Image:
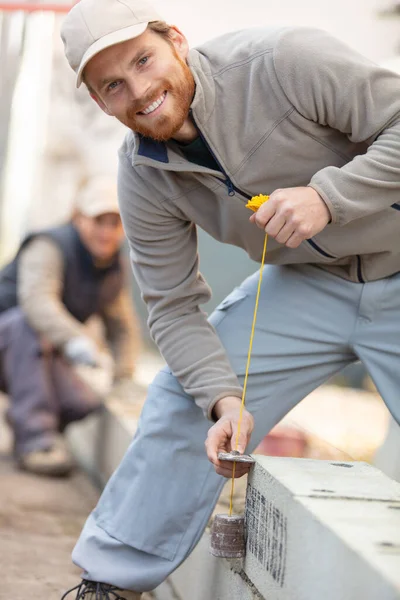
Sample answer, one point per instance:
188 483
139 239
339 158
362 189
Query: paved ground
39 523
40 520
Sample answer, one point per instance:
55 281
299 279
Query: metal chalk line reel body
228 536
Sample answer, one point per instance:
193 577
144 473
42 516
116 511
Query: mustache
142 103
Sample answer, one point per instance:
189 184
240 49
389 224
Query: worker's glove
122 388
81 351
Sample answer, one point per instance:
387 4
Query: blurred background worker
60 278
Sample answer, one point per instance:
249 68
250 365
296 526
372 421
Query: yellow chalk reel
256 201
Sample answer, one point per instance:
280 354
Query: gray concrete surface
322 529
316 530
39 523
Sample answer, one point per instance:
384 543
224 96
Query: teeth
155 105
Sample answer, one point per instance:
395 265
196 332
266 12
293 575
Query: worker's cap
97 197
93 25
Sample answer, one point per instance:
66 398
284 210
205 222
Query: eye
113 85
143 60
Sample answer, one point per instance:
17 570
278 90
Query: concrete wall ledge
317 530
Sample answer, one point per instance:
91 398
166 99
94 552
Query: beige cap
93 25
98 197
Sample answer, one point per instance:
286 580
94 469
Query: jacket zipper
232 189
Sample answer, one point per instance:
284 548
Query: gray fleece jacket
277 108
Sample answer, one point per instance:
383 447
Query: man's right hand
222 436
81 351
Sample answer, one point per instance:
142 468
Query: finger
217 441
295 240
275 225
244 436
265 214
227 471
228 474
241 467
285 233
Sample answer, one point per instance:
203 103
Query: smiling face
145 83
102 235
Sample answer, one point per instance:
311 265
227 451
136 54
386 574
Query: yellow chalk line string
246 376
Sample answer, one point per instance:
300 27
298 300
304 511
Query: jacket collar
163 154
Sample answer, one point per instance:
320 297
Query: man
59 278
288 112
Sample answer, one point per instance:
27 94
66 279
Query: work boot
94 590
54 461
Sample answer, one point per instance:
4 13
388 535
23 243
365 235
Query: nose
138 86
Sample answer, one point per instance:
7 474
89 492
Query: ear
101 104
179 41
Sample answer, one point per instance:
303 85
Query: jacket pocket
319 251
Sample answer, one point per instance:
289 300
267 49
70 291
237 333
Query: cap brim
100 209
116 37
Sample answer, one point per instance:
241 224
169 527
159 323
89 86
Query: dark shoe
94 590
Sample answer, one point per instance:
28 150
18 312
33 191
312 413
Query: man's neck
187 132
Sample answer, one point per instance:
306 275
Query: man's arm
40 285
330 84
123 334
165 263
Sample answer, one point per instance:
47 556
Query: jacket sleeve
122 333
330 84
40 285
163 247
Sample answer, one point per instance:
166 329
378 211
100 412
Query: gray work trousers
310 325
44 391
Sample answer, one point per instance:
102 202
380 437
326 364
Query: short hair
160 27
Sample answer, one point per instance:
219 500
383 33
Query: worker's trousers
310 325
45 392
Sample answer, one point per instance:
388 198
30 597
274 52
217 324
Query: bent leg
76 399
33 412
377 338
157 504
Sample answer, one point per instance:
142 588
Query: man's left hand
292 215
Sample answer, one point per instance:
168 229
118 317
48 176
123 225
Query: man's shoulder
238 47
126 169
126 150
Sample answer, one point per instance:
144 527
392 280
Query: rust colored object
228 536
283 441
25 7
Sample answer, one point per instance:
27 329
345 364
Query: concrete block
205 577
315 530
321 529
